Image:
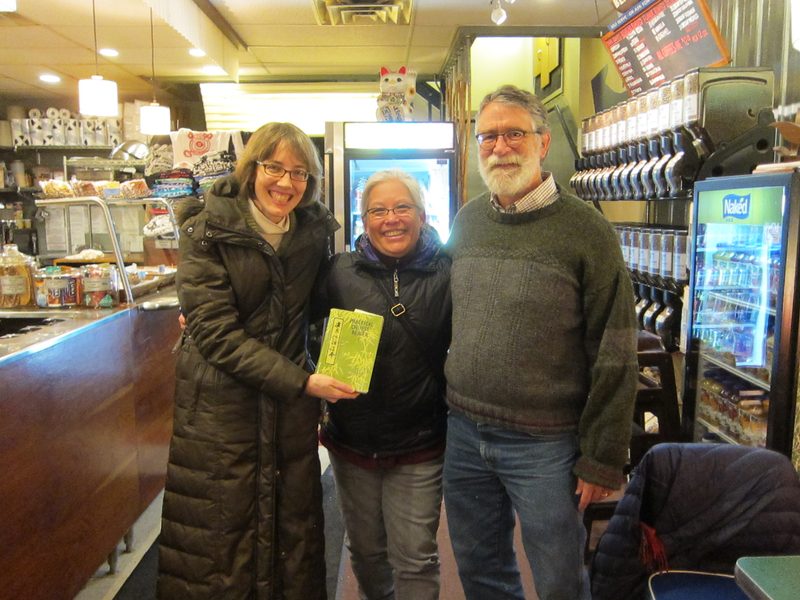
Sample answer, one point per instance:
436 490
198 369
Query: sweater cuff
598 474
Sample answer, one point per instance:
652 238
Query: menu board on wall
661 39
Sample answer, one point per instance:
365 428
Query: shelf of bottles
735 298
657 261
636 150
655 145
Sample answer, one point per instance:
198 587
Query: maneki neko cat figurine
397 92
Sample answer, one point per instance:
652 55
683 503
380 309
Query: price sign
659 40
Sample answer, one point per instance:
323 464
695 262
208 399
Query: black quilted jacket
709 505
242 515
404 410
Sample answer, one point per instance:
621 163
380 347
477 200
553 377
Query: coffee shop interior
98 97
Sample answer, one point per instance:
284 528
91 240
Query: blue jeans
391 517
489 474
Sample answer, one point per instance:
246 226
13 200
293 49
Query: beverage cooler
353 151
741 359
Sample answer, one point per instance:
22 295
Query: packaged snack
100 286
135 188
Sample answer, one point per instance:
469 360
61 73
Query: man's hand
328 388
590 492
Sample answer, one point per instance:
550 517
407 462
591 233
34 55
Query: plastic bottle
16 278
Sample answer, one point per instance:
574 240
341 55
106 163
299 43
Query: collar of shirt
271 232
543 195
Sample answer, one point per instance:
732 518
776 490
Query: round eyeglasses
275 170
512 138
401 210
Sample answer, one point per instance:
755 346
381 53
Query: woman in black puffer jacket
242 517
386 446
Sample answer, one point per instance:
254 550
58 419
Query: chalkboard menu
661 39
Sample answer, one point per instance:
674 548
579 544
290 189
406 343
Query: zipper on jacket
398 309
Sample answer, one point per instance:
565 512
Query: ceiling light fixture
109 52
96 96
154 119
49 78
499 14
197 52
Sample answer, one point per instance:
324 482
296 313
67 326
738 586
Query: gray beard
504 184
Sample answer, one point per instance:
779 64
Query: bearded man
542 370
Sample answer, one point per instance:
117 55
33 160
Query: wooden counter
85 423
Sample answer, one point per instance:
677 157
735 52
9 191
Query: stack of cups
18 172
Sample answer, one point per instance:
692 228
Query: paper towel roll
51 112
16 112
20 133
35 113
37 129
5 135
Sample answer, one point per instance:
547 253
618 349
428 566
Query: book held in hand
349 347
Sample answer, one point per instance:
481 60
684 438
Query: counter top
769 577
28 330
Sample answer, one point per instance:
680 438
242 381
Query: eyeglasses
512 138
401 210
276 170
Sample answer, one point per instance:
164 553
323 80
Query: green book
349 347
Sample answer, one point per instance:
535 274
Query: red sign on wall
663 40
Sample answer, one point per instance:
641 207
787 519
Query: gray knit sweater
544 336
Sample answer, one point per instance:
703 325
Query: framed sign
547 68
659 40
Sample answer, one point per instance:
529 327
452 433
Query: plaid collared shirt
544 195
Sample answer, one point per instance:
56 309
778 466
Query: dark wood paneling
84 433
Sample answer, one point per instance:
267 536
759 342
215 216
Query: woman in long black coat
242 515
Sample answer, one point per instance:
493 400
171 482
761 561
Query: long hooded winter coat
242 515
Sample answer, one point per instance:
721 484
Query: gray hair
407 180
510 94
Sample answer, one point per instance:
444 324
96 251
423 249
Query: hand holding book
328 388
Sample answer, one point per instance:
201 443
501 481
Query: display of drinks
735 295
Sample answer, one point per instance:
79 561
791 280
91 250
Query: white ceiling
268 40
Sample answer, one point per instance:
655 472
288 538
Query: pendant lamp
97 97
498 13
154 119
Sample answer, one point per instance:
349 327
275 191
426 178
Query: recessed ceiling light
213 70
197 52
49 78
110 52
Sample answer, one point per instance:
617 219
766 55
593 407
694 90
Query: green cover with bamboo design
349 347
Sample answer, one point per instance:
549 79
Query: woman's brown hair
262 145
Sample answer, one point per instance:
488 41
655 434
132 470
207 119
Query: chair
693 585
696 507
655 396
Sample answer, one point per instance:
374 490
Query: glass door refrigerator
740 384
353 151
